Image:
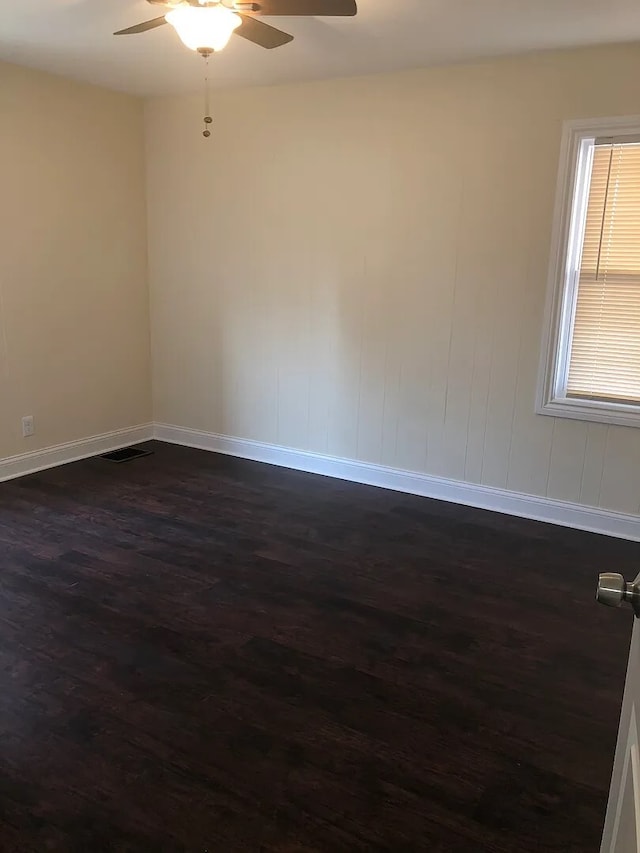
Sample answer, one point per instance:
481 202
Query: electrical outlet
27 426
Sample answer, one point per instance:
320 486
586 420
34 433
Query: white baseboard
60 454
563 513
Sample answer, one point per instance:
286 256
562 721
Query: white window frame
570 211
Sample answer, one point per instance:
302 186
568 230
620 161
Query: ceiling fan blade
262 34
142 28
173 3
308 7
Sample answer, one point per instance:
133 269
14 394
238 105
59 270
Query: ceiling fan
207 25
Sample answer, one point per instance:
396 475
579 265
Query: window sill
591 410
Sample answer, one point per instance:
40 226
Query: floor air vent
126 454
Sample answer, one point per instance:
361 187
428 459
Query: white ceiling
73 38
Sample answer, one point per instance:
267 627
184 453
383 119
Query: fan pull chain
207 108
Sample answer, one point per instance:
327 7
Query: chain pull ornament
208 120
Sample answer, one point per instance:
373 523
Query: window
591 357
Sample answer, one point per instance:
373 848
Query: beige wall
359 268
74 331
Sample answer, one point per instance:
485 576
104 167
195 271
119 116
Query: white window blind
604 356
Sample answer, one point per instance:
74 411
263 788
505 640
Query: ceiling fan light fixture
204 28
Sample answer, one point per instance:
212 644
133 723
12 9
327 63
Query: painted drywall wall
74 325
359 268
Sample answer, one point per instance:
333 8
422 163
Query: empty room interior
320 426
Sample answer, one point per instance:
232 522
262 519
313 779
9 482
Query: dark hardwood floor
204 654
